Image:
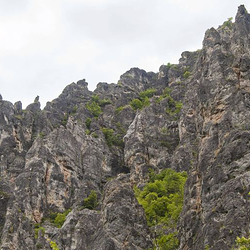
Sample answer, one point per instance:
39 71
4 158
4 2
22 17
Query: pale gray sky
48 44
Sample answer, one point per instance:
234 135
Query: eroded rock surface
197 120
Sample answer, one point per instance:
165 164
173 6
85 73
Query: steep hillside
69 171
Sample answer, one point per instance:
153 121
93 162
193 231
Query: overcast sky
48 44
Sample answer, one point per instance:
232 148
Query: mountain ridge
192 116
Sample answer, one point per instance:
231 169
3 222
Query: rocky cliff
193 116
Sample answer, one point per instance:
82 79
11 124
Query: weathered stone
51 159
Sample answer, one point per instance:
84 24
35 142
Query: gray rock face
196 121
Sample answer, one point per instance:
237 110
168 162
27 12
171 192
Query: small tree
243 243
91 201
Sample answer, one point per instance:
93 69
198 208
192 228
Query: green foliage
88 122
94 108
111 138
19 117
65 119
119 109
37 229
4 195
53 245
91 201
104 102
168 242
95 98
243 243
59 218
147 93
166 94
227 24
169 65
95 135
186 74
143 100
162 200
87 132
207 247
136 104
174 107
121 130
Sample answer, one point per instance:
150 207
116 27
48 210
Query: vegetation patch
87 132
53 245
95 135
65 120
119 109
88 122
162 200
136 104
37 229
143 100
111 138
227 24
243 243
147 93
58 219
91 201
186 74
94 106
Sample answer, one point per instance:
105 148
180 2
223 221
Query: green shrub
111 138
146 102
37 229
95 98
228 23
19 117
95 135
166 94
94 108
53 245
186 74
143 100
169 65
87 132
119 109
168 242
104 102
88 122
167 91
58 219
243 243
162 200
65 119
91 201
136 104
122 130
147 93
174 107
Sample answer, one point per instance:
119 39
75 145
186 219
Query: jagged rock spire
36 99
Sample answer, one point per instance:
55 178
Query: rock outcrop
193 116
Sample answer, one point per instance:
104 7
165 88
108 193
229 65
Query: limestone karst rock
83 141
